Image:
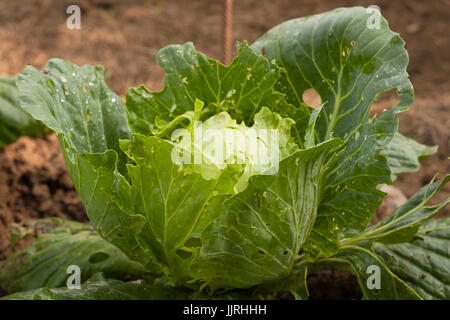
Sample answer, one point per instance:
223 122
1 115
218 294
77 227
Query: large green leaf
349 65
14 122
405 154
89 120
75 102
424 262
241 89
44 262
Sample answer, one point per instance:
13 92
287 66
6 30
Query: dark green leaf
59 244
89 121
349 65
424 262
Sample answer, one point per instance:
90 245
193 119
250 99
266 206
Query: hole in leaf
311 98
184 254
193 243
385 101
98 257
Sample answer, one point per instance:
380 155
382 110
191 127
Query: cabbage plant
255 223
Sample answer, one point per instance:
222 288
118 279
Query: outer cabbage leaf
424 262
14 122
89 120
349 64
405 154
75 101
241 89
44 262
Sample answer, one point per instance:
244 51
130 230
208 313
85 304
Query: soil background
125 36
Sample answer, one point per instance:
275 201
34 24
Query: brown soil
124 36
34 184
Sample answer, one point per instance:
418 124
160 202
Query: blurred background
125 35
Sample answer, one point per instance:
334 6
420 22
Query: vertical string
227 31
